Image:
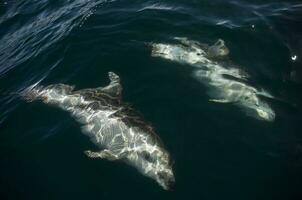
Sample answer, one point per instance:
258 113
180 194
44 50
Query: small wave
157 6
227 23
39 32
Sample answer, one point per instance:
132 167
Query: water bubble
294 57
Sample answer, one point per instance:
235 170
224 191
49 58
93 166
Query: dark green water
219 152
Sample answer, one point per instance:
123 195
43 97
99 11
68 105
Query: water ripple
40 31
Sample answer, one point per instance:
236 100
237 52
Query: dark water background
219 152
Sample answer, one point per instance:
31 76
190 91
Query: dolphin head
265 112
154 162
160 167
261 109
163 170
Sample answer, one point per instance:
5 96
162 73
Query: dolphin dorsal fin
114 88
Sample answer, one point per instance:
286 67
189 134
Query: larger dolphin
226 83
118 131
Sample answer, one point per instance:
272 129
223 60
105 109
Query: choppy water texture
219 152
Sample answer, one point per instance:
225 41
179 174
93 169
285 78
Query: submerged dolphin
114 127
226 83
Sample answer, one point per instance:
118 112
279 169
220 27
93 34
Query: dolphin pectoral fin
106 154
265 94
109 155
220 101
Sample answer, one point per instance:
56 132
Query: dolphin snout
167 179
171 184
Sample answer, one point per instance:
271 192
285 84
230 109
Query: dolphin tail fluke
31 93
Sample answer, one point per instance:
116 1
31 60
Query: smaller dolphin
226 83
115 128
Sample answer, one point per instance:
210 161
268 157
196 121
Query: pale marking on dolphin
115 128
226 83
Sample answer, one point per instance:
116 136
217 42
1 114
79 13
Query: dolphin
225 82
113 126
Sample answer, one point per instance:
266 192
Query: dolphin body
226 84
118 131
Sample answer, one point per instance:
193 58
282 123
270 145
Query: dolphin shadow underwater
225 82
113 126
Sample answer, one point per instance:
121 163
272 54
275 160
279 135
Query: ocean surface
218 151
